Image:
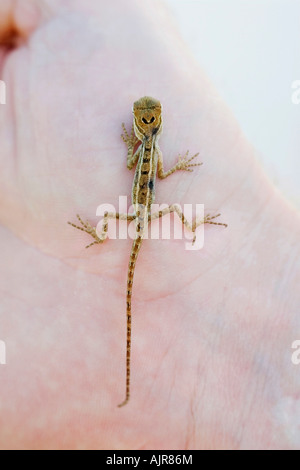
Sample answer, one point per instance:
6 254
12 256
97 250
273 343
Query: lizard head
147 119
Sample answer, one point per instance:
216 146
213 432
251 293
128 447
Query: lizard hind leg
208 219
92 231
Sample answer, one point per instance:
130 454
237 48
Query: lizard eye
148 122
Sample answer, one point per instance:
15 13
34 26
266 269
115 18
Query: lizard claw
86 227
130 140
184 163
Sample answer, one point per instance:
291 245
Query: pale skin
212 329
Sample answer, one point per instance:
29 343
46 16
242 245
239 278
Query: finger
210 217
18 19
125 131
80 220
77 226
192 158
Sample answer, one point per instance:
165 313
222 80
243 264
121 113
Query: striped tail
133 257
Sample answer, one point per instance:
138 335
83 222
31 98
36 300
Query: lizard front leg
131 141
184 163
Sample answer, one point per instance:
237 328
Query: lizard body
147 128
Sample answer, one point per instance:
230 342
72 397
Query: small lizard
146 130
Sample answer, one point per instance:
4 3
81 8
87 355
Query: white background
250 49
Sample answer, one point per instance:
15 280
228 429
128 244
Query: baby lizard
146 130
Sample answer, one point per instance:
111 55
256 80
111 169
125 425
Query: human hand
212 329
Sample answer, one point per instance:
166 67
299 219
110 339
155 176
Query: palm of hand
64 312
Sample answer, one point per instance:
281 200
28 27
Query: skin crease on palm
212 329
